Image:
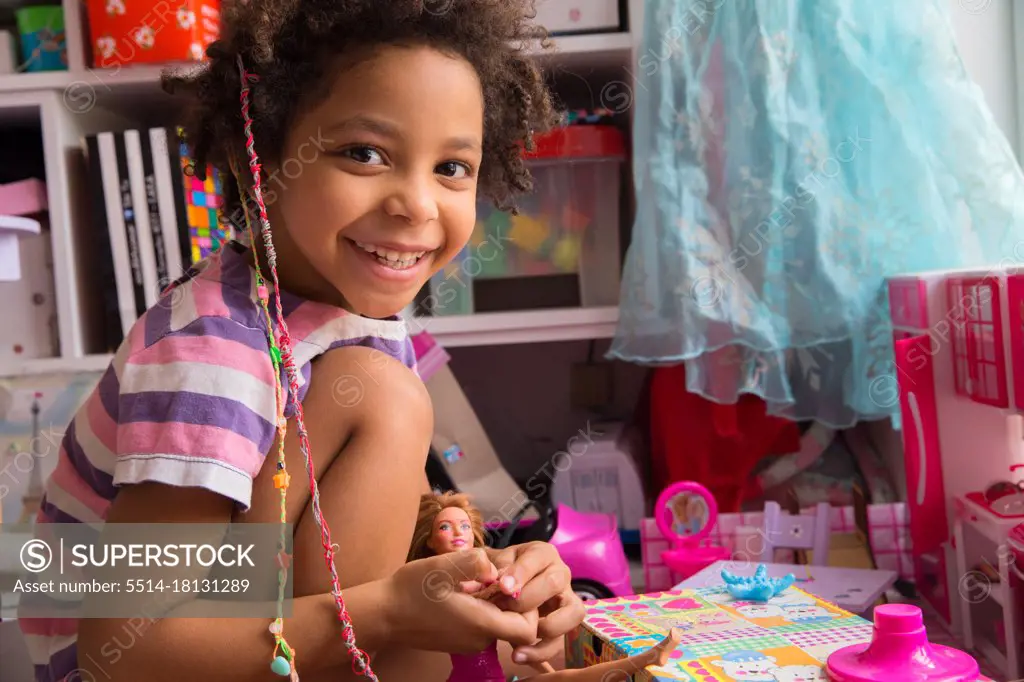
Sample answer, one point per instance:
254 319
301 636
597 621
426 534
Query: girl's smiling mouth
394 256
397 263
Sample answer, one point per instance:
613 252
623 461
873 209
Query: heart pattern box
787 639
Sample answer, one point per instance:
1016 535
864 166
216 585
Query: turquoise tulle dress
789 155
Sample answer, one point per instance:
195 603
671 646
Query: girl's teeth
394 259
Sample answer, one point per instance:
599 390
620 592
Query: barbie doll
447 522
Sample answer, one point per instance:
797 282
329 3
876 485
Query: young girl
448 524
358 134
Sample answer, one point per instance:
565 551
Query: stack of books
160 218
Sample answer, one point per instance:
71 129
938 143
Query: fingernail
519 658
508 582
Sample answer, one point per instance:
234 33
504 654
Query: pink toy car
588 543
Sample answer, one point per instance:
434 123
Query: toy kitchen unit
959 351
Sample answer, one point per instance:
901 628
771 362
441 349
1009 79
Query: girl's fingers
471 566
470 586
552 582
507 626
486 590
563 619
542 651
519 580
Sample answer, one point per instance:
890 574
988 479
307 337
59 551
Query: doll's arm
605 672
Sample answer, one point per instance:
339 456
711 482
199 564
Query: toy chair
686 513
797 532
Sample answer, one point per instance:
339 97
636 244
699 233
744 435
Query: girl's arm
223 649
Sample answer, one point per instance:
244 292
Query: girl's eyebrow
389 130
461 144
370 124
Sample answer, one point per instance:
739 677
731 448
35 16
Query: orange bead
281 479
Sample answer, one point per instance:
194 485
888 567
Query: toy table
854 589
788 638
975 588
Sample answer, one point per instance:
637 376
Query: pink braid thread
360 659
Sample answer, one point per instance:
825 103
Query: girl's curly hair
291 45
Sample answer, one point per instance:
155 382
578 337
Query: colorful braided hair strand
281 352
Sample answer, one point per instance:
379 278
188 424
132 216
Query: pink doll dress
481 667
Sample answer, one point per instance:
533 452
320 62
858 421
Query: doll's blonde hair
432 504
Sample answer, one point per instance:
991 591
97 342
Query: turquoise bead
281 667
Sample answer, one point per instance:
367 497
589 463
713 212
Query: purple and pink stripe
187 400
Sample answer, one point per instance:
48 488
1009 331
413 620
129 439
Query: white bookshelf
532 326
456 331
596 50
70 105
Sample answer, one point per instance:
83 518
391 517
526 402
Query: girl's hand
428 609
534 577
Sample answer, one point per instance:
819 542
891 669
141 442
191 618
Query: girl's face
376 189
453 531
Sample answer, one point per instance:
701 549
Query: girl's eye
364 155
444 526
450 169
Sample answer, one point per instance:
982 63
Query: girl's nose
413 199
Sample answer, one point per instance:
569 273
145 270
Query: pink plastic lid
899 650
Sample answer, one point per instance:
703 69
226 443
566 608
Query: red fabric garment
718 446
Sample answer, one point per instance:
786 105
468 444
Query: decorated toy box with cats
127 32
787 639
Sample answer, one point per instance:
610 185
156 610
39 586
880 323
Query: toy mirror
686 512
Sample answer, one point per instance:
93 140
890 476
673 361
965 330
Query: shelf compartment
46 366
535 326
600 49
479 329
35 300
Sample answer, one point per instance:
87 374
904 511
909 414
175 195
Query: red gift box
143 31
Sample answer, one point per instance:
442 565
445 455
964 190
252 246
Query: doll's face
452 532
681 507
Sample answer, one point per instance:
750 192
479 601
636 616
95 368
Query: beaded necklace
284 655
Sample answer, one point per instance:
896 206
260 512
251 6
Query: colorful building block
208 230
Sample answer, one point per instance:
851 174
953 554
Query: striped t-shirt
188 400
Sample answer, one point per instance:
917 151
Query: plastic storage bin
43 46
578 16
569 225
124 32
603 480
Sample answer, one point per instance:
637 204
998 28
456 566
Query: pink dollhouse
959 351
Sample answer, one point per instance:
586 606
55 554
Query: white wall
985 35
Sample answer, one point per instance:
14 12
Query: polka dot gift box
786 639
127 32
